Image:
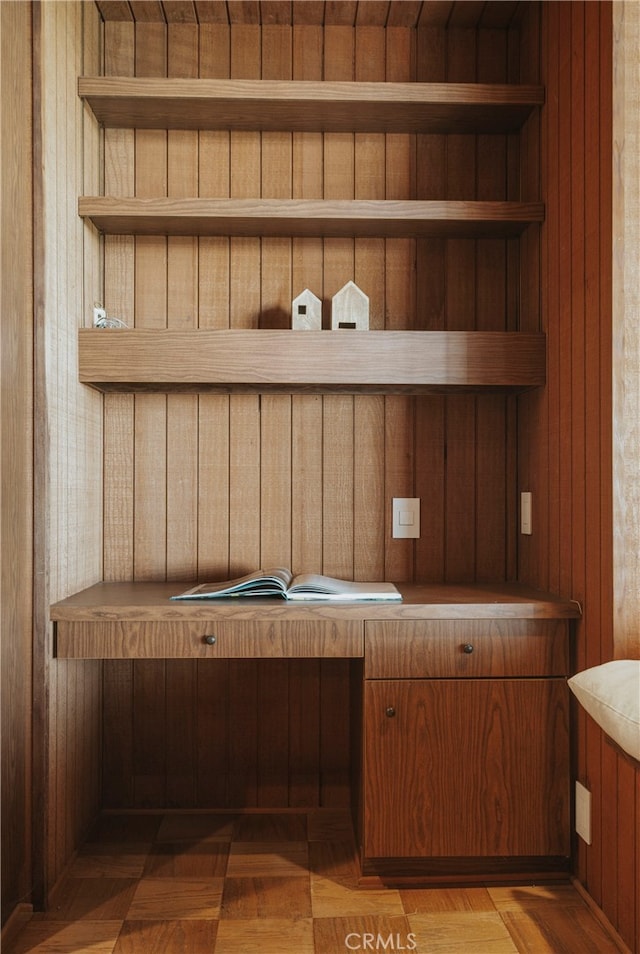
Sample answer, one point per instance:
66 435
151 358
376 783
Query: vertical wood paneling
399 312
182 431
565 441
495 303
213 312
430 439
16 424
244 432
621 549
339 267
369 274
307 272
304 480
460 272
68 531
150 439
119 178
150 458
119 301
626 328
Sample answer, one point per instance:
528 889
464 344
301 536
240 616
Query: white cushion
611 695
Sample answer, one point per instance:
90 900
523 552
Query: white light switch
406 517
525 513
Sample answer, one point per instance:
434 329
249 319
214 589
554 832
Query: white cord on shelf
102 320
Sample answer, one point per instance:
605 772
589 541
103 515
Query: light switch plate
406 517
583 812
525 513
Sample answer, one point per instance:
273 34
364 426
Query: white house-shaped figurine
350 308
306 312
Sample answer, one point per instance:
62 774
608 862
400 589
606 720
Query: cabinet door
466 768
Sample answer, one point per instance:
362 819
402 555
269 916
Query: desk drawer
248 639
441 649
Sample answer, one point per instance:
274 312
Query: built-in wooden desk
139 620
460 708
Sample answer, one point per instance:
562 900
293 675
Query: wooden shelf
293 217
289 361
308 106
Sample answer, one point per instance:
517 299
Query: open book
279 581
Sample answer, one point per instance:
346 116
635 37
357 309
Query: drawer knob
467 648
210 640
390 711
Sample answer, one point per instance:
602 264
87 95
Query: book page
271 582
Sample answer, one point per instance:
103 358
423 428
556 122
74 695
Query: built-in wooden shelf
306 106
289 361
299 217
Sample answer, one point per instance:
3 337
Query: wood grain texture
566 438
264 358
16 422
151 601
430 756
626 336
68 454
625 435
275 104
306 475
449 649
285 217
402 13
311 905
233 640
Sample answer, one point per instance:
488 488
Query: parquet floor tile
265 936
281 883
167 937
364 932
483 932
330 899
187 859
93 899
435 900
335 860
110 860
549 930
250 898
165 899
252 859
60 937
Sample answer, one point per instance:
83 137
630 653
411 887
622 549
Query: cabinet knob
390 711
210 640
467 648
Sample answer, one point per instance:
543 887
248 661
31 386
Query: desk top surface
151 601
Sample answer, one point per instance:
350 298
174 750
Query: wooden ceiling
487 14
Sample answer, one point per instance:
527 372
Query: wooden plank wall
16 423
626 330
565 432
212 486
68 424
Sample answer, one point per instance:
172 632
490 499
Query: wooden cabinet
465 748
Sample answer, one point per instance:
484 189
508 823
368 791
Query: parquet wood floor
281 884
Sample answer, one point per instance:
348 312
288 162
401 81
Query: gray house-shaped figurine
306 312
350 308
